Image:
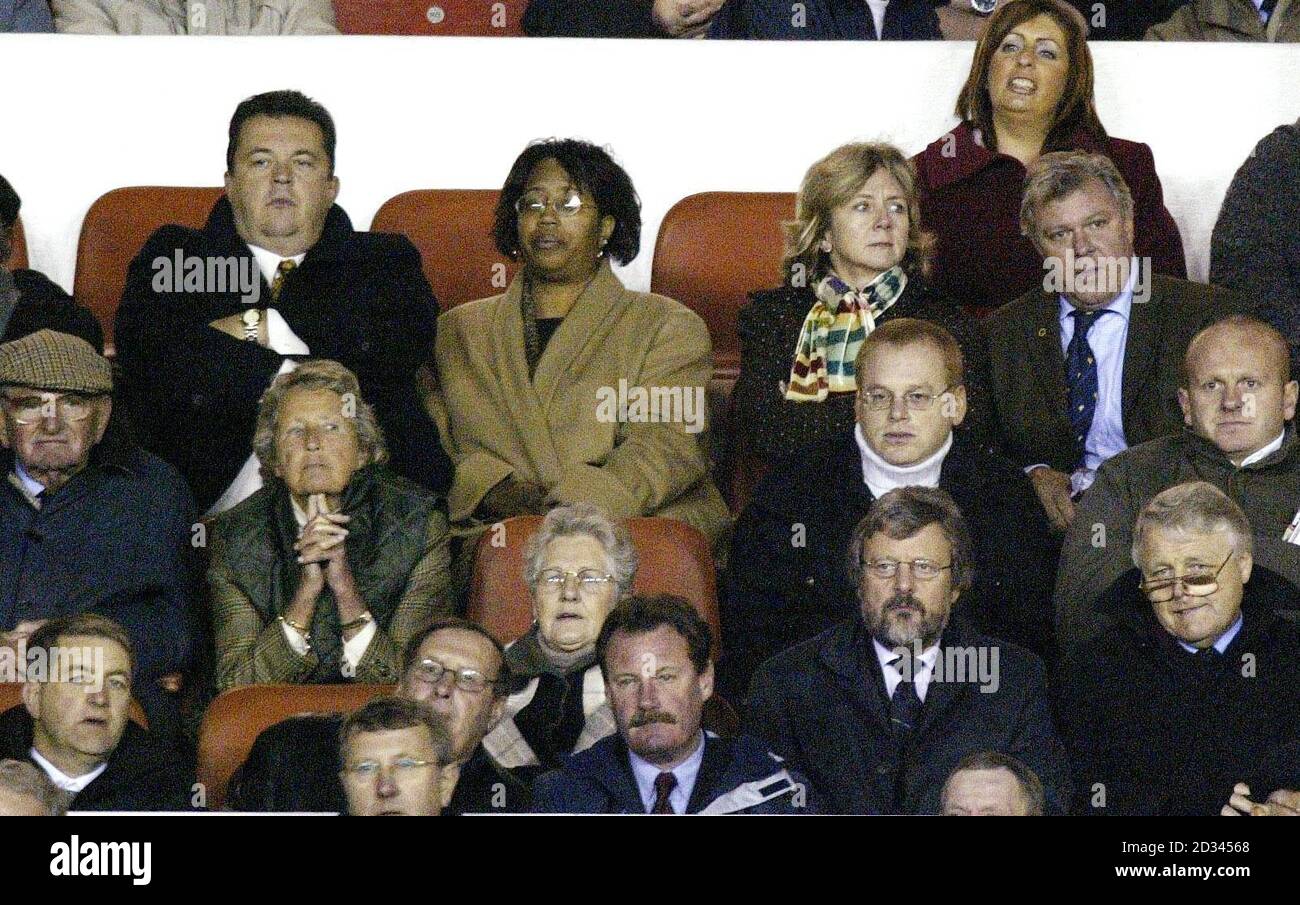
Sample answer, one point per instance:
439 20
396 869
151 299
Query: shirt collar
1264 451
1121 304
269 262
73 784
887 656
686 772
34 487
1225 639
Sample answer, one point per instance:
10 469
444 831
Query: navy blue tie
1081 374
1267 8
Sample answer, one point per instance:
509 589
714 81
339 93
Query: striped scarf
833 332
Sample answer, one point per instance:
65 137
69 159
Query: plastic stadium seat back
480 18
674 559
114 231
452 228
18 257
714 249
238 716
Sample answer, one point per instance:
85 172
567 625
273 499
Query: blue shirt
686 772
34 487
1107 339
1224 640
1259 8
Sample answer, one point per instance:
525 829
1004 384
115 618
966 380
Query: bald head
1237 390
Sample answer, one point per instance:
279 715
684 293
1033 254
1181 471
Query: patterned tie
664 785
1081 374
281 272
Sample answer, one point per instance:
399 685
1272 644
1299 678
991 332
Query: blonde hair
835 180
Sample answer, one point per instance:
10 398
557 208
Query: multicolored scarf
833 332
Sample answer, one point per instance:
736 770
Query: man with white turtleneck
787 577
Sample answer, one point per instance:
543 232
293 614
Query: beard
903 620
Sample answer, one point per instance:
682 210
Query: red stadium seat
238 716
11 695
114 231
714 249
482 18
18 257
452 228
674 559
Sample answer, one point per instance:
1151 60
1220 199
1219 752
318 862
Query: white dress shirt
282 339
878 14
686 772
922 672
1264 451
73 784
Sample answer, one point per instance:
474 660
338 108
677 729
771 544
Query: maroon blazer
970 199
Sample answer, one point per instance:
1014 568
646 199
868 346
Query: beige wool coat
197 17
561 428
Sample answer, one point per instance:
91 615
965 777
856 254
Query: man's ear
1185 403
334 188
706 682
958 404
497 711
1290 394
1246 563
32 698
226 180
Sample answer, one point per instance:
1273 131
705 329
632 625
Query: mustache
646 717
903 599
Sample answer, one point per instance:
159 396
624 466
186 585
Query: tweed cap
59 362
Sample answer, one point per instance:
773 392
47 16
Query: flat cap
59 362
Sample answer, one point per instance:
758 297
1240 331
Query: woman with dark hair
855 256
569 387
1030 91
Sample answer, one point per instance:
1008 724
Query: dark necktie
1267 8
664 785
281 272
1081 374
904 716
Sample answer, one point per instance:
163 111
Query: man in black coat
878 711
786 577
455 667
29 300
74 722
89 522
654 655
1188 694
828 20
210 316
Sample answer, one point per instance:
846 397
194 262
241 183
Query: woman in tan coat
568 387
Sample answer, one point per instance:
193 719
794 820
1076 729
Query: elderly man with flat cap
88 522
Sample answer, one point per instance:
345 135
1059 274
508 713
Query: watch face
983 7
252 317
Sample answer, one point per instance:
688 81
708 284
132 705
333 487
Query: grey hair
1196 507
1060 173
317 374
579 520
27 779
903 512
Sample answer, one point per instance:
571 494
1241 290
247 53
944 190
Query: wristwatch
252 319
983 7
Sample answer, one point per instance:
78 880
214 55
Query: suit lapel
716 760
1140 354
509 366
1044 342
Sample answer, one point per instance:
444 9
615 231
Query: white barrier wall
84 115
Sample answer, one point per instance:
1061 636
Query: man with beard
879 710
654 653
456 668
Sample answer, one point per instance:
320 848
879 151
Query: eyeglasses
921 569
879 400
1201 583
471 680
589 580
28 408
402 766
536 202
